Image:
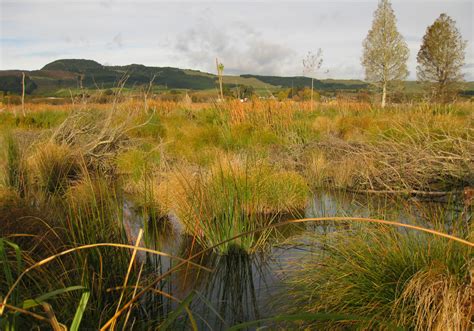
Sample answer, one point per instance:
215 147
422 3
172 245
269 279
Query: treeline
13 83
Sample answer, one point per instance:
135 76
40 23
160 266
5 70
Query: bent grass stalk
303 220
157 291
130 265
133 294
84 247
24 311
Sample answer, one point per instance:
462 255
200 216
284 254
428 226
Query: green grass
41 119
385 275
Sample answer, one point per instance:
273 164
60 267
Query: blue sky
248 37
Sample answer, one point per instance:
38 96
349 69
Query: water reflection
235 292
337 203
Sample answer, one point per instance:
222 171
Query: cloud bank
248 37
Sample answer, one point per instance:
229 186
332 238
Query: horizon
212 73
249 38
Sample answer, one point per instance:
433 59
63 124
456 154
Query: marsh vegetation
179 215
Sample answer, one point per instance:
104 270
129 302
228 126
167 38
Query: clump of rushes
237 196
388 277
139 170
94 211
55 167
20 216
15 170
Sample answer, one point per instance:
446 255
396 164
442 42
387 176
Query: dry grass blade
52 318
135 288
130 265
24 311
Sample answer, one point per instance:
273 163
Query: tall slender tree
312 63
385 51
441 58
220 72
23 94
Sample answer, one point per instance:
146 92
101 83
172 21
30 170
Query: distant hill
73 65
72 73
299 81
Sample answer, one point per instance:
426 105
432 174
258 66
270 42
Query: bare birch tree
311 64
220 72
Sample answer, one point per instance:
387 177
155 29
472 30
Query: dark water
245 287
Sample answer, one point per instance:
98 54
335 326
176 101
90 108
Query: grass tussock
441 301
34 229
55 167
92 198
236 196
388 277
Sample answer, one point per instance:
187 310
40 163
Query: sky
267 37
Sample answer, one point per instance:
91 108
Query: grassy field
229 171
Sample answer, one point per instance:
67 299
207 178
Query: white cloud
238 46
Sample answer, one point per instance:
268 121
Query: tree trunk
219 76
23 94
312 79
220 85
384 94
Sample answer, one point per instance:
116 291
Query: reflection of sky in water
242 287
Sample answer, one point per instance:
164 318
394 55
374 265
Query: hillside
73 73
298 81
73 65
